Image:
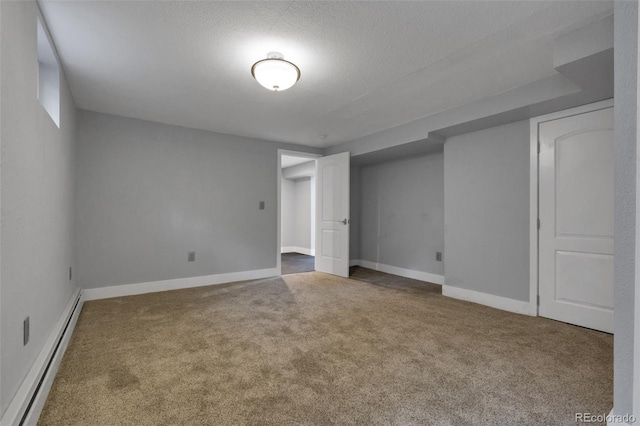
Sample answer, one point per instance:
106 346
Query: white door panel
576 213
584 185
579 278
332 217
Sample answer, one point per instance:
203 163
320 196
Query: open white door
332 214
576 214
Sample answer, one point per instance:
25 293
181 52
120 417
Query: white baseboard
301 250
28 402
176 284
497 302
408 273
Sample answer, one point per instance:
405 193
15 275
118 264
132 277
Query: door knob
346 221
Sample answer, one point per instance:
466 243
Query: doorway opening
297 211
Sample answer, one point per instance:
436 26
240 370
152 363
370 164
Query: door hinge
538 147
538 300
538 223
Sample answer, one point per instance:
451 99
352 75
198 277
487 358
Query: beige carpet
314 349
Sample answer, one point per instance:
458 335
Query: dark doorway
294 263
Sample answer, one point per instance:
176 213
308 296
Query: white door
576 215
332 214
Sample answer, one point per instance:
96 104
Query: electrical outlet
261 205
191 256
25 331
439 256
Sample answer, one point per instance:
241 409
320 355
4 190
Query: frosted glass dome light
275 73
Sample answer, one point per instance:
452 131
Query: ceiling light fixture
275 73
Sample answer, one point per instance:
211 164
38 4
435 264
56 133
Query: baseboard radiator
29 400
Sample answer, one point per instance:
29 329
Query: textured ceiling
366 66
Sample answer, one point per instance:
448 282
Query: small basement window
48 76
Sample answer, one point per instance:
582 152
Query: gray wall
296 213
37 182
303 213
486 205
625 216
287 213
300 170
402 213
148 193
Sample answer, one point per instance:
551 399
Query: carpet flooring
294 263
315 349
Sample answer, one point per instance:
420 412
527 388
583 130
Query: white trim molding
301 250
27 404
403 272
498 302
176 284
534 124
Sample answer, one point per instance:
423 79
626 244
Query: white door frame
534 190
282 152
